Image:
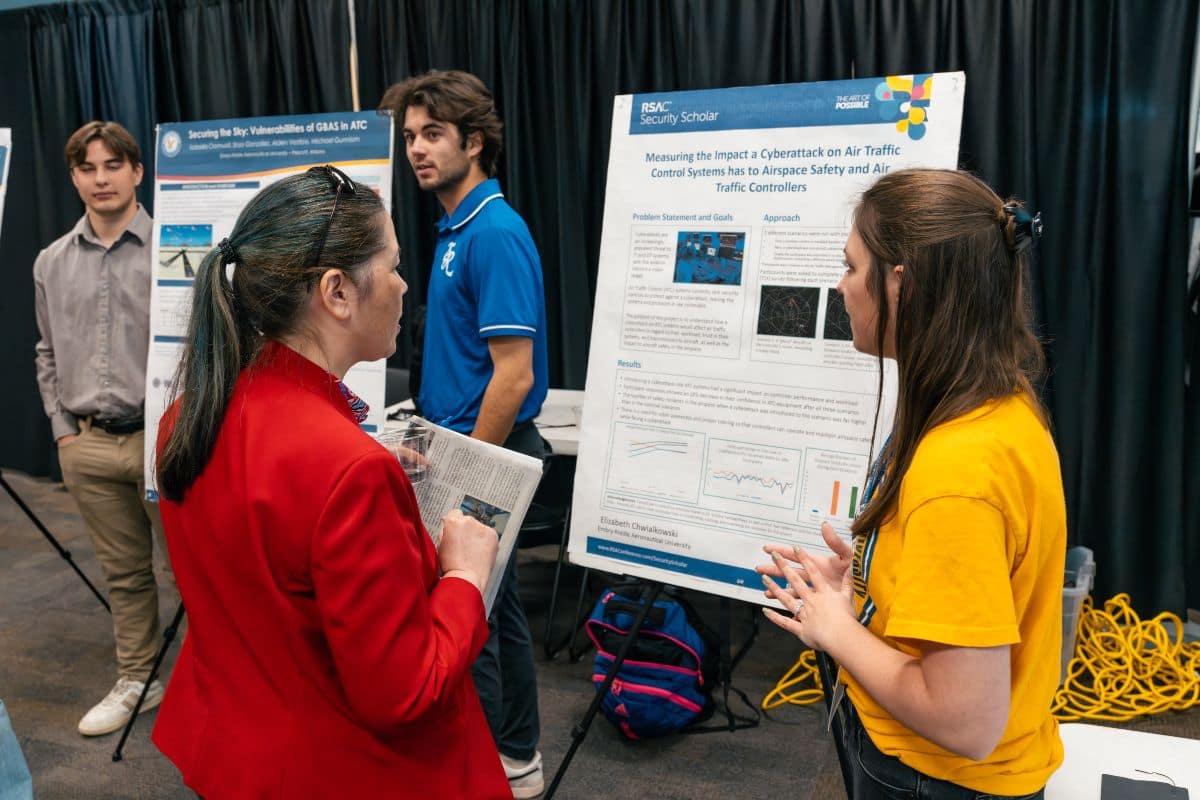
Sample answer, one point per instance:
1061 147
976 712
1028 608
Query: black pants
881 777
504 673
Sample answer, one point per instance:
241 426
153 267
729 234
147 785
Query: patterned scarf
357 407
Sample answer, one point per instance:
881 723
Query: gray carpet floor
56 660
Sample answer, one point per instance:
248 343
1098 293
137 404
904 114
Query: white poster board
5 157
726 406
206 173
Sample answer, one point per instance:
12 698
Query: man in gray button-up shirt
93 312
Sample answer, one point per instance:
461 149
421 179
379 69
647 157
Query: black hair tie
228 254
1027 229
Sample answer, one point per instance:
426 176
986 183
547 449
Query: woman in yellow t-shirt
945 614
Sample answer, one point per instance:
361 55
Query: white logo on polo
446 259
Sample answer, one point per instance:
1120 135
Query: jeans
15 783
882 777
504 673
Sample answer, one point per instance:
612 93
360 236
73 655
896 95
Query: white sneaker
524 777
114 711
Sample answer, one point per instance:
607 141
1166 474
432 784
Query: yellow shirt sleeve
953 585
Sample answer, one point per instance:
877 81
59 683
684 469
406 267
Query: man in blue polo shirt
484 357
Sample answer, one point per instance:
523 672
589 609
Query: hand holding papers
481 480
468 550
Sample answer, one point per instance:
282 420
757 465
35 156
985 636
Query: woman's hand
467 548
832 567
818 594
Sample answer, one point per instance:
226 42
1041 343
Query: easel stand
727 663
549 646
168 637
650 592
62 551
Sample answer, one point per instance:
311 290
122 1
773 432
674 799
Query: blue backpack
665 683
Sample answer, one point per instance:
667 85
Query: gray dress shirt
93 314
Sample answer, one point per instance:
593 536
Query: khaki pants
103 473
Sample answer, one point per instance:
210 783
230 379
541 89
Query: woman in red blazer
329 644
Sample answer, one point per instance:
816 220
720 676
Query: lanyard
864 546
864 553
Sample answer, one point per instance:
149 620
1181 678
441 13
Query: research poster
5 152
206 173
726 406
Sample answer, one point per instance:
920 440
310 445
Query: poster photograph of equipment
181 248
709 257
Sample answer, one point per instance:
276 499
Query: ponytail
286 237
219 344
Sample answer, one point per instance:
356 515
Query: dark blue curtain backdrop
1077 106
1081 108
554 68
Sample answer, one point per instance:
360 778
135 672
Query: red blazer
324 657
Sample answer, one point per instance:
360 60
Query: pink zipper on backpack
655 665
619 686
671 639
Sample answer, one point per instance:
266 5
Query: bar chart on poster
726 404
832 483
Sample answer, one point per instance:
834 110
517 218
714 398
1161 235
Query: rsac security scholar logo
904 99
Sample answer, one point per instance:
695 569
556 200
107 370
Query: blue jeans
15 783
882 777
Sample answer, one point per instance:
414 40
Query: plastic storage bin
1077 584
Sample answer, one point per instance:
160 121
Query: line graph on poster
753 473
655 462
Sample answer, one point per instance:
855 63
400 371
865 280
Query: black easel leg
755 619
649 595
581 616
62 551
725 668
548 646
168 637
727 663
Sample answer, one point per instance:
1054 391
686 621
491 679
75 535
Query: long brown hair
286 237
963 323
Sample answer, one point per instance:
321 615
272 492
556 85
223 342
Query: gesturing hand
821 605
831 567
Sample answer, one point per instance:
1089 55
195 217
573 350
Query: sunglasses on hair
339 182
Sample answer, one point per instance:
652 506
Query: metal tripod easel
62 551
168 637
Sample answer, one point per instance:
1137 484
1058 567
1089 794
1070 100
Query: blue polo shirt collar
471 205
